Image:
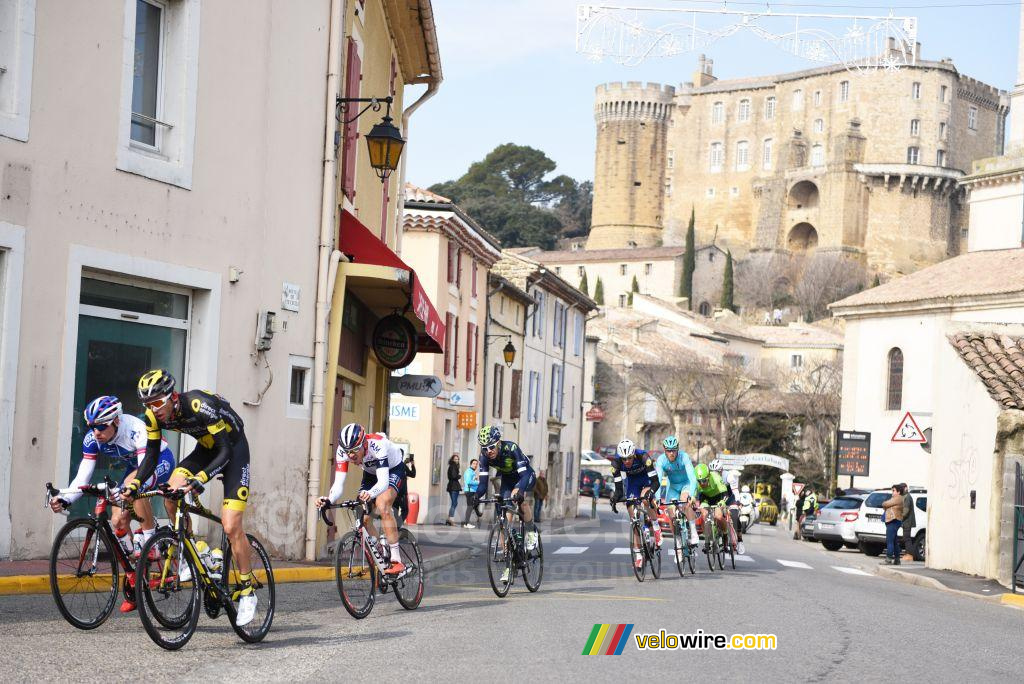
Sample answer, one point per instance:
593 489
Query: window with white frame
766 154
580 271
300 386
718 112
915 127
623 300
668 187
555 407
798 99
915 90
710 192
538 314
716 156
558 329
817 155
940 157
734 191
942 130
743 111
972 118
622 269
579 323
913 155
769 108
796 361
158 90
648 267
844 91
819 125
817 98
742 155
943 93
533 404
17 49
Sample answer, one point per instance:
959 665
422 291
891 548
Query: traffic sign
853 453
595 414
466 397
908 431
797 488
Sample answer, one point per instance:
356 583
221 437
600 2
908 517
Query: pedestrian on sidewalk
799 509
401 504
540 492
893 520
470 481
454 487
909 523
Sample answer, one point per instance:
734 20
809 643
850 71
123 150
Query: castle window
769 108
940 157
647 268
580 271
844 91
704 309
798 99
819 125
913 155
717 113
817 98
711 192
743 111
943 93
716 156
734 191
711 256
972 118
670 159
915 90
942 130
766 155
622 301
558 270
622 269
915 127
742 155
894 387
817 156
668 187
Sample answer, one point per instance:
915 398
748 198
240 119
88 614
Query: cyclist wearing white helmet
731 478
635 467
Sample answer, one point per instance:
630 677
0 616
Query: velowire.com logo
606 639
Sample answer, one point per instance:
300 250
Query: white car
870 527
594 461
835 522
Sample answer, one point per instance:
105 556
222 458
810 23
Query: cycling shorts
636 484
396 479
161 474
673 492
510 481
235 472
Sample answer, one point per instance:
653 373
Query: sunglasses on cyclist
491 448
157 404
99 427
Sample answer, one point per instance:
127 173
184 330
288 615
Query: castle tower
629 178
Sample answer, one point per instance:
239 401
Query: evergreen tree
689 262
599 292
727 285
584 287
877 282
634 288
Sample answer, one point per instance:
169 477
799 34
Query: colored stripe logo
607 639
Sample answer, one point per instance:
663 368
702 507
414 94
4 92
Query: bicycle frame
502 510
372 551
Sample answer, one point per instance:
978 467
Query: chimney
705 72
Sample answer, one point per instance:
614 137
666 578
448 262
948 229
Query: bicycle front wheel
83 573
533 567
356 576
679 549
499 559
263 576
409 589
636 551
169 607
653 554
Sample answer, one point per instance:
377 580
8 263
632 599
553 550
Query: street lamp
509 350
384 141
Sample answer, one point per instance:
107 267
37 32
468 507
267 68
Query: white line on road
621 551
745 559
571 549
851 571
794 564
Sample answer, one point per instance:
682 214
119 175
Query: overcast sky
511 73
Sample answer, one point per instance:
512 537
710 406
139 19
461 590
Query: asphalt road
832 618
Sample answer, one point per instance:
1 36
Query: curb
1014 600
24 584
932 583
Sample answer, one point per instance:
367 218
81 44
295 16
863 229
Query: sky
511 72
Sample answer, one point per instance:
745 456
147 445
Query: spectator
401 504
909 522
799 508
777 317
454 487
767 317
893 520
540 492
470 481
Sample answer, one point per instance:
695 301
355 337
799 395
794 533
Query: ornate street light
384 141
509 352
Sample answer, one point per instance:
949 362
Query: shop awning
363 247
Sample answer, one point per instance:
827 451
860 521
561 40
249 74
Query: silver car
834 525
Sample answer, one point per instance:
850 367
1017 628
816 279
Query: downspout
327 267
561 394
487 328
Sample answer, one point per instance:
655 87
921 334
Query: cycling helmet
745 489
351 436
701 472
626 448
155 384
670 443
102 411
489 435
715 466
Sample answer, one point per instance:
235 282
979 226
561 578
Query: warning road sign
798 487
908 431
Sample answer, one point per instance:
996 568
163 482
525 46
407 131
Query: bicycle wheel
499 559
636 550
168 607
263 573
83 573
679 550
533 567
689 560
409 589
722 543
711 549
653 554
356 575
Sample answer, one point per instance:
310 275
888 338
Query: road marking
599 597
571 549
851 571
745 559
794 564
621 551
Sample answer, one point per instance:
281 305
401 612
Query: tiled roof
414 193
522 271
998 361
975 274
580 256
796 335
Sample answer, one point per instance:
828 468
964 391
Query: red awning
363 247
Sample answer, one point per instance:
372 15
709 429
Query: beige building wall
508 317
658 276
995 194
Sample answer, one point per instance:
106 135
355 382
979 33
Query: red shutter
455 347
447 343
470 337
474 277
451 263
458 267
350 134
476 351
517 392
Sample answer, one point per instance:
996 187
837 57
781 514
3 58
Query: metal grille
1018 535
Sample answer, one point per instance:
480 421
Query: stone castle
826 159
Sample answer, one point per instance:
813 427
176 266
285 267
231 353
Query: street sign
466 420
742 460
853 453
908 431
466 397
595 414
290 296
797 488
415 385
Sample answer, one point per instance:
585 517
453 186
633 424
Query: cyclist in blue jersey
678 481
635 477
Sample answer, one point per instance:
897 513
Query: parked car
870 527
592 460
807 527
591 483
834 525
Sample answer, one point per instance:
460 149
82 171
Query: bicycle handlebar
352 503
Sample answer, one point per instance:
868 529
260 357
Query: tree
515 224
826 278
573 206
727 288
635 287
763 280
689 262
584 287
599 291
877 281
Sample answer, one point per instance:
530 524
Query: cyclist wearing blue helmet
675 471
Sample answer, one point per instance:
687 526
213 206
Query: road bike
180 582
86 560
507 552
717 543
641 540
360 560
681 537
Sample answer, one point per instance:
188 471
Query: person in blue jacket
675 472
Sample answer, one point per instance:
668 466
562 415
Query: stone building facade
861 164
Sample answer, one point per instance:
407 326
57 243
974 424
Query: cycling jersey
714 491
127 449
382 467
639 474
675 477
512 465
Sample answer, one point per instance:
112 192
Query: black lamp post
384 141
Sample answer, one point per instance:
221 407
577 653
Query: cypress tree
599 291
689 262
727 286
584 287
634 288
877 282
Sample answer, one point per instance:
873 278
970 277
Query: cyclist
121 438
221 449
731 478
383 479
712 490
517 477
677 481
641 478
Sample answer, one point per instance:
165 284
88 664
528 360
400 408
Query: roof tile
998 360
